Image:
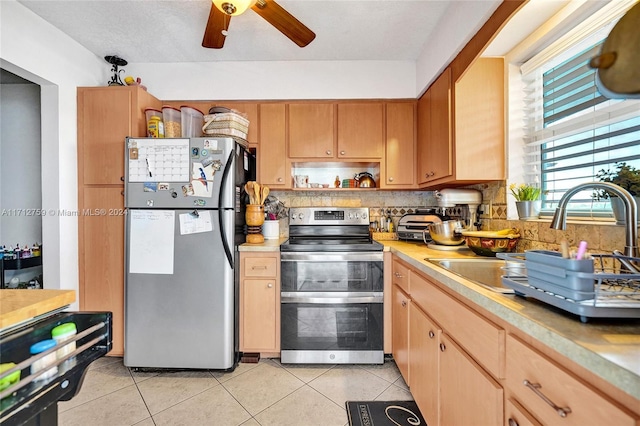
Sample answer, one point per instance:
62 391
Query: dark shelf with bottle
27 262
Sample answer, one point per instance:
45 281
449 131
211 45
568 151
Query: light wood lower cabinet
424 381
468 394
260 302
400 340
554 396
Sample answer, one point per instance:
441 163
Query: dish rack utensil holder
600 287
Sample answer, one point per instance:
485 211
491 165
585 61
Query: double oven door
332 310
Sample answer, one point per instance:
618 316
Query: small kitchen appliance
185 217
332 283
415 226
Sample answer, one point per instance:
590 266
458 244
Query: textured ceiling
171 31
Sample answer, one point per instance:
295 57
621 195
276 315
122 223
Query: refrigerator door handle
225 178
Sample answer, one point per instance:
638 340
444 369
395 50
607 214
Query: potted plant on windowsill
625 176
528 200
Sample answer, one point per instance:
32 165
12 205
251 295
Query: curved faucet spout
559 220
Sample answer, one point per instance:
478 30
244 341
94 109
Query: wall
36 51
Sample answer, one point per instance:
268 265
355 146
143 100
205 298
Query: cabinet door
424 336
104 121
102 260
273 167
439 148
423 119
360 130
400 333
479 122
400 145
259 317
468 395
311 130
546 391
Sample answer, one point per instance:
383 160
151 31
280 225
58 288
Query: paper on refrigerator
151 241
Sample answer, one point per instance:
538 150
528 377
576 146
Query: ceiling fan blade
285 22
216 30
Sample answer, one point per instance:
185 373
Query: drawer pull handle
431 334
535 387
258 267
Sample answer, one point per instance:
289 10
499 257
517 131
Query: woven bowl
488 243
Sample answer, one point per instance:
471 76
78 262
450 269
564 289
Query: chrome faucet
559 220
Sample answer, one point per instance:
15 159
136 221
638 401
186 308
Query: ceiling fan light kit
222 10
233 7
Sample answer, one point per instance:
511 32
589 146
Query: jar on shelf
63 333
45 363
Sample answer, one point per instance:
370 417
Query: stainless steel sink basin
486 272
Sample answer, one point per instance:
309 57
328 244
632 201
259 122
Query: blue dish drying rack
600 287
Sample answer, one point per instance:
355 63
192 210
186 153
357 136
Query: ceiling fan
222 11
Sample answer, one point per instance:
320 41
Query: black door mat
384 413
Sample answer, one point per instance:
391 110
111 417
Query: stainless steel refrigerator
185 205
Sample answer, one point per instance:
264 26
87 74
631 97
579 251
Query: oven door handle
332 257
315 298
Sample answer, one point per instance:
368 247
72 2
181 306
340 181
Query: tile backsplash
602 237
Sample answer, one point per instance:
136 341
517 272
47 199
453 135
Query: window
573 131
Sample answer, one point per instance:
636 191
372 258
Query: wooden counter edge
17 306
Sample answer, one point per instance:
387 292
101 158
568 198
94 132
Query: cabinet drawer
401 276
260 267
481 338
559 387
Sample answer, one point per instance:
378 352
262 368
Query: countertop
18 306
610 348
268 245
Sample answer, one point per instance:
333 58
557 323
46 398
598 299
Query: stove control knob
364 215
300 216
350 215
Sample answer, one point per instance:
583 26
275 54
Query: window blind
572 131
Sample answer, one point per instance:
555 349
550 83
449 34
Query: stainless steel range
332 288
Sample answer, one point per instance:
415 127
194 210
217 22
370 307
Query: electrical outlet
486 210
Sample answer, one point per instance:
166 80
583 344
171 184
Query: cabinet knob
513 422
404 303
535 387
280 180
328 152
342 153
122 178
391 179
269 285
397 274
431 334
442 347
430 174
122 193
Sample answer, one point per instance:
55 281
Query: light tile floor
267 393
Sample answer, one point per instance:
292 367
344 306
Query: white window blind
571 130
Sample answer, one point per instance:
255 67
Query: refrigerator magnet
133 153
163 186
204 152
150 187
195 152
199 202
187 189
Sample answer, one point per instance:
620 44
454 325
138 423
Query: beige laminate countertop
18 306
608 348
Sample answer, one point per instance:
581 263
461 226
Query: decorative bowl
487 243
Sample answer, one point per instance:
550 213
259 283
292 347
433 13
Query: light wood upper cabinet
311 130
479 122
106 116
360 130
260 302
400 146
465 124
273 165
435 137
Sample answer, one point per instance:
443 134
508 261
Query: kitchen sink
486 272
